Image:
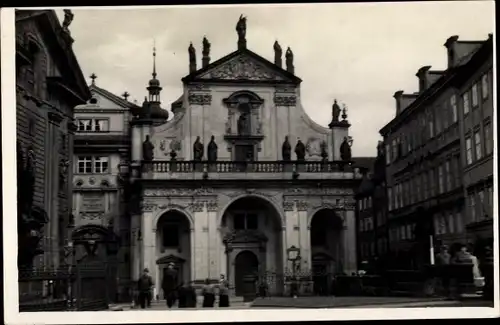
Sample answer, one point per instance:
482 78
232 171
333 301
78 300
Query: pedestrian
169 285
443 259
191 296
208 294
182 296
461 274
144 286
223 292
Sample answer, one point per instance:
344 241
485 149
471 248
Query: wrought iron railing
246 166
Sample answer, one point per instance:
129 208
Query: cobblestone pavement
236 303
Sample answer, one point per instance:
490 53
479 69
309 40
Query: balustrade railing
246 166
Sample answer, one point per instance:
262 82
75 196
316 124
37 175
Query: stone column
304 244
349 242
135 251
136 143
147 239
154 267
213 243
192 257
200 214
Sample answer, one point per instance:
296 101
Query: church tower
154 88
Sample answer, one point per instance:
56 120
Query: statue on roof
192 54
241 29
278 52
206 46
68 18
289 61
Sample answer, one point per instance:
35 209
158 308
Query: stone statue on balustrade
324 151
147 150
212 150
286 150
198 150
300 150
243 124
345 150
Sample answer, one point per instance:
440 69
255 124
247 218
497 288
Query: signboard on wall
93 202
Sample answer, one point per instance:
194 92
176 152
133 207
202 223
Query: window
400 195
454 111
445 116
484 86
170 236
101 125
97 125
432 182
423 130
490 197
466 103
480 195
458 222
477 142
85 165
396 197
456 171
387 154
472 206
488 139
425 185
361 228
468 150
389 195
417 188
431 126
85 125
441 179
448 176
101 165
244 221
437 115
394 149
475 97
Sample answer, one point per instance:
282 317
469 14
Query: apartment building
425 158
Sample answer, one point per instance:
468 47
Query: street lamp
294 256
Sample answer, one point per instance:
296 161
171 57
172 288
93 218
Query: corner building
239 214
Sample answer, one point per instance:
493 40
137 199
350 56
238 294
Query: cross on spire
154 58
93 77
125 95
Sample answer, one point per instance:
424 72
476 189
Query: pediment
170 259
243 65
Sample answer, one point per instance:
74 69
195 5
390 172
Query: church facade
235 183
240 175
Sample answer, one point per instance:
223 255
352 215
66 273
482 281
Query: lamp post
294 256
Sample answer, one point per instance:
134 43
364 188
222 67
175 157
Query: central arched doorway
326 249
173 246
252 237
245 264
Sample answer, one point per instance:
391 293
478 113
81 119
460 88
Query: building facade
49 84
238 176
425 162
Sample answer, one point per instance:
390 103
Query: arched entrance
326 249
246 264
173 246
252 236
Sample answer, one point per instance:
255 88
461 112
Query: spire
154 84
154 59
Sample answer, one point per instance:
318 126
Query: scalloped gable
243 65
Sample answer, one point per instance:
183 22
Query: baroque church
240 181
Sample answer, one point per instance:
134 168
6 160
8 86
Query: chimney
451 50
423 78
397 95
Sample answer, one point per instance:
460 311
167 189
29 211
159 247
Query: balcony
227 170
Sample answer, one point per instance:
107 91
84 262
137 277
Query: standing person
462 257
223 292
191 297
182 295
443 259
144 286
208 294
169 285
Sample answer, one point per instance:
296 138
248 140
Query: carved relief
288 205
285 100
199 99
178 192
285 90
198 87
212 206
91 215
319 191
302 205
313 146
197 206
241 68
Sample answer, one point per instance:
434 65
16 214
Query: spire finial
154 58
125 95
93 77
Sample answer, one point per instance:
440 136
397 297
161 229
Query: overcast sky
358 53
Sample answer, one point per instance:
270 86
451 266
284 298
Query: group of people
183 293
452 278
